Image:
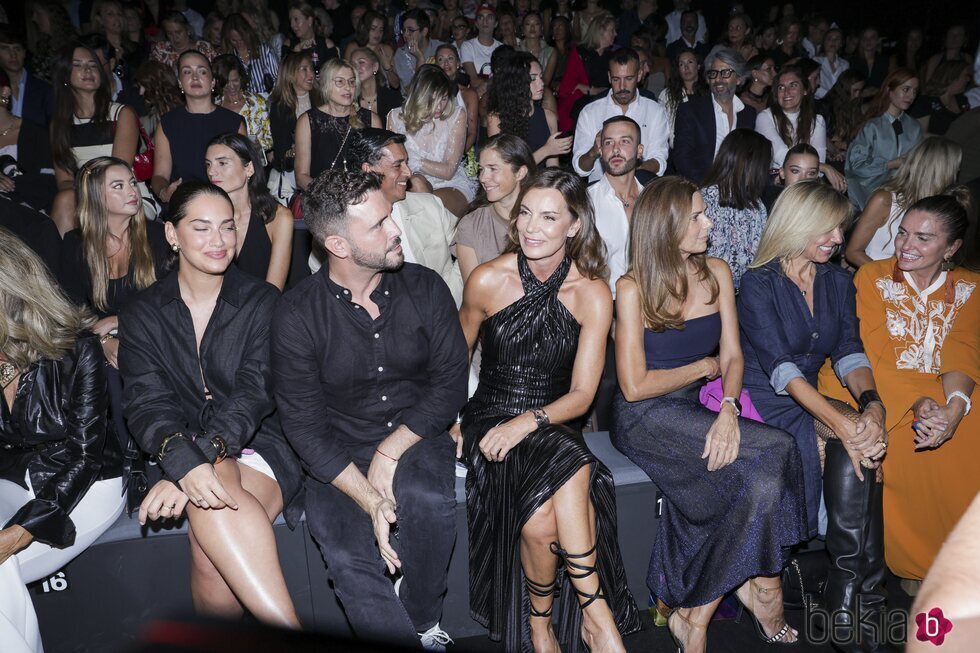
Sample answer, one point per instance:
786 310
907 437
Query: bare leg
575 518
690 626
63 211
763 597
540 570
241 547
454 200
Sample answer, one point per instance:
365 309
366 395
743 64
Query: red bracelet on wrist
386 455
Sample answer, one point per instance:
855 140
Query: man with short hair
475 53
427 227
621 99
31 98
673 20
369 370
688 39
418 47
816 29
703 122
614 196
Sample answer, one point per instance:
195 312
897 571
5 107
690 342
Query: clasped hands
864 439
936 423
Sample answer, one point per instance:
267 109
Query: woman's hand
558 144
504 437
721 443
864 451
111 350
165 194
13 539
834 178
7 184
456 433
712 367
204 489
935 424
164 501
583 88
869 431
105 325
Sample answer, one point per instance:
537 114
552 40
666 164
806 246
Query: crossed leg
570 516
234 560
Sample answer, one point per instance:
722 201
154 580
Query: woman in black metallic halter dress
541 508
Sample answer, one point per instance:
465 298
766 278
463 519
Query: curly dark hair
329 197
509 95
161 92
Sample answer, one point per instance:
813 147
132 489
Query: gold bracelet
106 338
166 441
221 447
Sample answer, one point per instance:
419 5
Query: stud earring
175 247
947 265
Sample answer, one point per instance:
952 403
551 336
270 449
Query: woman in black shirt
195 366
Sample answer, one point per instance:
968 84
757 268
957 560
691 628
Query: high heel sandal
541 590
774 639
579 571
676 611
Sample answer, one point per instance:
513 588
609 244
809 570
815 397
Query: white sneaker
435 639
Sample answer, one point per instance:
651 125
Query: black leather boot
853 594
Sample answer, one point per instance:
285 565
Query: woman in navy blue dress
733 487
795 310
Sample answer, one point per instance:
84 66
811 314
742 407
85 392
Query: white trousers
94 514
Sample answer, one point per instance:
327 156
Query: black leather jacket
58 433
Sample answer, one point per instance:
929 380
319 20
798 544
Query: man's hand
382 517
381 474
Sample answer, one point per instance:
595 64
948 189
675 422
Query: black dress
529 349
538 131
256 252
331 139
189 133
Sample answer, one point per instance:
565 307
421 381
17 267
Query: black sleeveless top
189 133
256 252
331 139
538 131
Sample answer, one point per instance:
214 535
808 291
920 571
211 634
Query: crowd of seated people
252 250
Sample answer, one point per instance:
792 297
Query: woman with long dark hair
239 38
86 124
843 110
447 58
762 73
371 32
302 23
264 226
560 38
676 326
232 92
685 82
514 107
179 39
296 92
195 366
536 496
732 194
943 99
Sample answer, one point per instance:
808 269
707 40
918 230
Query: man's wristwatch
736 404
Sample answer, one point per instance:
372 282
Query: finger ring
199 499
866 463
172 506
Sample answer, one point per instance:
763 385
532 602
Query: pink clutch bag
712 393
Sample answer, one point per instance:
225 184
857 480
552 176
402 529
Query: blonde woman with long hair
323 134
295 93
677 327
434 123
929 169
796 309
53 432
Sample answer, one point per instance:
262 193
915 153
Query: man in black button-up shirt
370 368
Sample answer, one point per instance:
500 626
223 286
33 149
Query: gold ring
866 463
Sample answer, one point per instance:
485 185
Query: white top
674 27
396 215
9 150
722 128
882 244
765 124
829 74
613 225
436 150
809 47
671 109
478 54
650 116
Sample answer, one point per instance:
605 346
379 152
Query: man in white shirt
816 29
475 53
614 195
622 99
427 226
674 22
418 46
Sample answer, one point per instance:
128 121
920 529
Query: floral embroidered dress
736 232
255 111
912 338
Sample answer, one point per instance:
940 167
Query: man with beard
703 122
614 195
427 227
621 100
369 370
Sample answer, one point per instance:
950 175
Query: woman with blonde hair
296 92
537 499
677 327
929 169
796 309
374 96
323 134
59 486
434 124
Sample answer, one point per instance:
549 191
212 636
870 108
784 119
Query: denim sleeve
849 354
759 318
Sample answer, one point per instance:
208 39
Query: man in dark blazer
689 37
703 122
31 98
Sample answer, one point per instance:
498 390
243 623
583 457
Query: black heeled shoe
768 639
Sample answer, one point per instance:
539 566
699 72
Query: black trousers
425 499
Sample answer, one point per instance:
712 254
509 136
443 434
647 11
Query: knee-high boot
853 594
